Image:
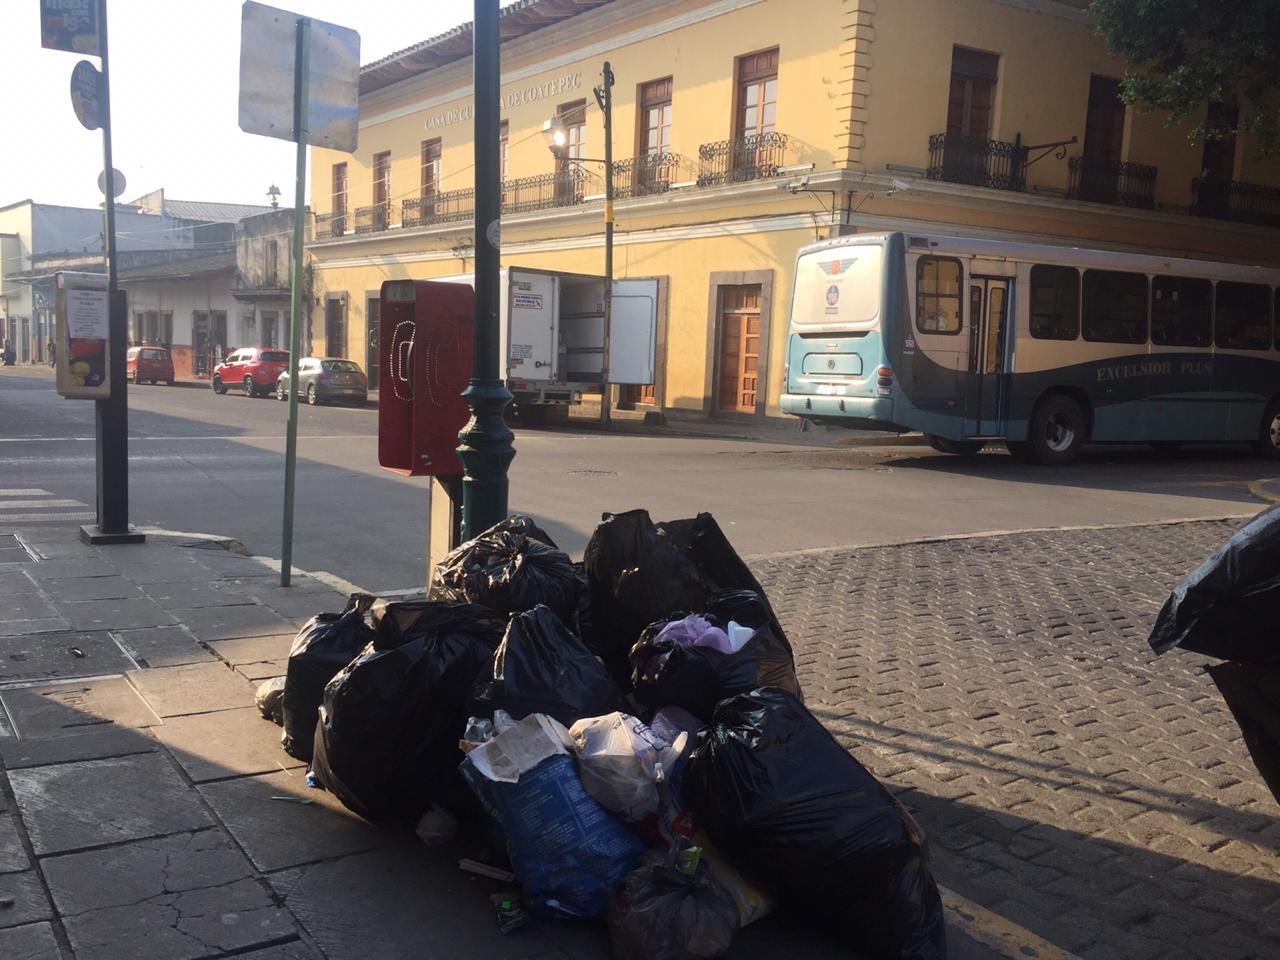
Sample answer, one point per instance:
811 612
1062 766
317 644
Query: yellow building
744 129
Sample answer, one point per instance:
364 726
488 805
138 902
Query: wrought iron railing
997 164
1236 200
1113 182
330 225
756 157
448 207
373 219
644 176
561 189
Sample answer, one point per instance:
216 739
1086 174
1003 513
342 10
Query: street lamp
557 137
273 194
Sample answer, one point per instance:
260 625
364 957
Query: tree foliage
1188 53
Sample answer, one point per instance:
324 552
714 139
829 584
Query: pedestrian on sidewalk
53 356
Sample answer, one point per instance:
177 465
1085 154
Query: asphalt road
209 464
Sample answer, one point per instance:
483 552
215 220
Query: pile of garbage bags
630 727
1229 608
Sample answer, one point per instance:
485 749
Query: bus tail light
884 380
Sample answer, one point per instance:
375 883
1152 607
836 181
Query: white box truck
551 334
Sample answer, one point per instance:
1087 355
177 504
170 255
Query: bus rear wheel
1057 430
962 448
1268 444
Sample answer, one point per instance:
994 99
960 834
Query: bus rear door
986 394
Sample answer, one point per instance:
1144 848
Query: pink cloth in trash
695 631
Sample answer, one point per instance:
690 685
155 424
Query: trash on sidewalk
1252 693
270 700
386 743
783 799
325 644
568 851
1229 606
542 667
664 912
559 712
512 567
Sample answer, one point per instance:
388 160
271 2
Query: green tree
1188 53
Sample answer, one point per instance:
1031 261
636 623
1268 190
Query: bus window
1115 306
1055 302
938 295
839 286
1242 312
1181 312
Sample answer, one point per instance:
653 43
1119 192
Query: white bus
1041 347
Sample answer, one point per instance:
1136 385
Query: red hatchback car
149 363
254 369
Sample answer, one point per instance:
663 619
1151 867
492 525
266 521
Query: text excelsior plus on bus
1044 348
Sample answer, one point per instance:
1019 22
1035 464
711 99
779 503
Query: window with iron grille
757 93
574 117
655 117
381 178
971 104
339 190
430 167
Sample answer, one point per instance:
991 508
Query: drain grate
595 474
12 550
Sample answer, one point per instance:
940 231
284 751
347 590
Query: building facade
744 129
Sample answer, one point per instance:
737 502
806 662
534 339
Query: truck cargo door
531 334
633 331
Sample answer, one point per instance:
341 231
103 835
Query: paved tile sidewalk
1001 686
1068 779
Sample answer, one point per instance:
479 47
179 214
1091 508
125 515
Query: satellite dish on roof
117 182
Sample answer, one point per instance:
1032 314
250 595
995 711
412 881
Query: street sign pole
485 446
604 93
111 416
301 120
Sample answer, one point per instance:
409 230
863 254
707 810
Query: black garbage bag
786 803
636 575
386 743
661 913
542 667
511 567
1230 606
1252 693
270 700
666 671
396 622
325 644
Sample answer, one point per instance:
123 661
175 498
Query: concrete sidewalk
148 812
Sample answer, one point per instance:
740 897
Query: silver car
324 379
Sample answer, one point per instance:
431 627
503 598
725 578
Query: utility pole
111 415
604 97
485 443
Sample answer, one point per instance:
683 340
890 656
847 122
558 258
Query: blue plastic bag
569 852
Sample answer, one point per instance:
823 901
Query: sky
175 68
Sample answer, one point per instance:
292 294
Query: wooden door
739 358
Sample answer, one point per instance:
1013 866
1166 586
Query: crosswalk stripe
24 492
13 504
6 518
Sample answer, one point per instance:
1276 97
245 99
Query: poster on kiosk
81 320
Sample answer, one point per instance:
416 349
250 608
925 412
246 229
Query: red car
254 369
149 363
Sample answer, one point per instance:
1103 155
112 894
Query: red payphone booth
426 354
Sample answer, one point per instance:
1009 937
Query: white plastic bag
619 761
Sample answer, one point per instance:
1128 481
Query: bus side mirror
426 340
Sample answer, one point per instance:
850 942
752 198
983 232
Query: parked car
321 379
149 363
253 369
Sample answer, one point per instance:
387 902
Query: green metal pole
485 442
301 67
606 388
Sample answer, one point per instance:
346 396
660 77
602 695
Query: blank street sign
267 40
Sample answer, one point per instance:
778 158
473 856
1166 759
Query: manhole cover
593 473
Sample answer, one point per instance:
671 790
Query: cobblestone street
1068 779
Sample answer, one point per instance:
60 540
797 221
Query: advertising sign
82 318
70 25
267 46
86 95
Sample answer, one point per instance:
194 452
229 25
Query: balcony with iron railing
447 207
1113 182
374 218
978 162
755 157
330 225
645 176
564 188
1236 200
